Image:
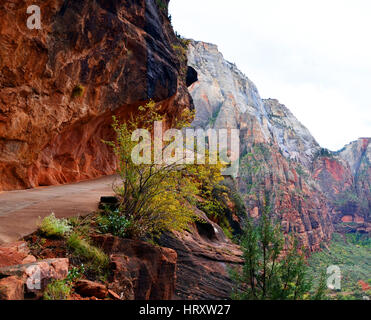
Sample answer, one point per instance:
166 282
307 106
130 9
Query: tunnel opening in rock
206 230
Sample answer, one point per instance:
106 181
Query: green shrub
214 117
270 272
301 171
346 198
57 290
75 274
359 239
153 197
54 227
161 4
323 152
350 253
213 208
85 251
180 51
82 225
114 223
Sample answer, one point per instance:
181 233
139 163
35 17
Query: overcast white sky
313 56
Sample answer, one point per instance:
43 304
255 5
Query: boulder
88 288
204 255
140 270
15 253
114 295
36 276
11 288
121 280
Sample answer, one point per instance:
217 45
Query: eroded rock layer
60 86
205 256
345 177
310 188
276 149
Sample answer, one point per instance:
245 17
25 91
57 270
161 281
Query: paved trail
20 210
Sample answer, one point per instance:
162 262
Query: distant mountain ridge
226 103
279 154
345 177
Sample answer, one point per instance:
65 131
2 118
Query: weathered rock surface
310 187
36 276
335 178
88 288
204 256
60 86
21 274
358 156
276 149
225 98
140 270
345 178
11 288
295 141
14 254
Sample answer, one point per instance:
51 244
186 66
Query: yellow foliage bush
155 197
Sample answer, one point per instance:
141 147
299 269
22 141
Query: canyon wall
276 149
310 188
345 178
60 86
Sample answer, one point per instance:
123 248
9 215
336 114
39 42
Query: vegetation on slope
274 268
69 238
154 198
351 253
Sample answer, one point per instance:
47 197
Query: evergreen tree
274 268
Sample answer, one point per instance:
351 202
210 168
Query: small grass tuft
96 258
54 227
57 290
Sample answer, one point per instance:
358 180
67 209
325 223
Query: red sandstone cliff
345 178
60 86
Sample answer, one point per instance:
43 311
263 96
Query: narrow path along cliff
20 211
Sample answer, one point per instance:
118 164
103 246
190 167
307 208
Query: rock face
11 288
335 178
140 271
345 177
295 141
358 155
204 255
26 276
224 97
310 187
276 149
14 254
36 276
88 288
60 86
21 274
